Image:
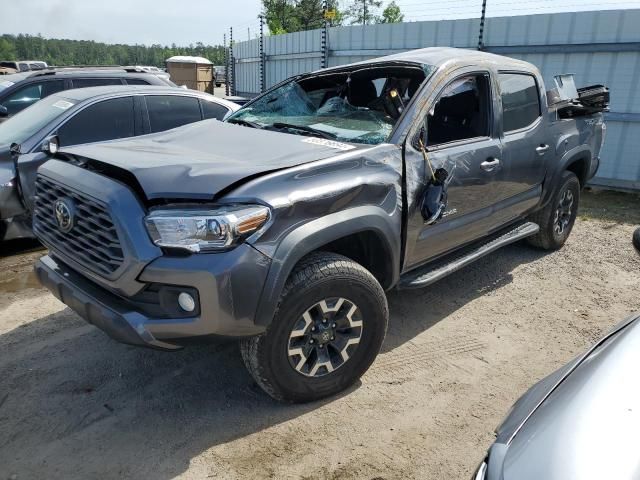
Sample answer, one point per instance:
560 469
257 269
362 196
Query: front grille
92 242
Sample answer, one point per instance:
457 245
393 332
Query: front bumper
229 286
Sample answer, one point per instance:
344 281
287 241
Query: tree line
286 16
86 52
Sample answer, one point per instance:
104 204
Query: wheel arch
576 160
358 233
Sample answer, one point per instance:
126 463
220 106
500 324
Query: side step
430 273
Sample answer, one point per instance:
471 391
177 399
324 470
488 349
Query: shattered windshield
360 106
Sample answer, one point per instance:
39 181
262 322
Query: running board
430 273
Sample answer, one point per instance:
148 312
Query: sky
189 21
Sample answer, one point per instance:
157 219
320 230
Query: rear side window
520 100
30 94
136 81
95 82
106 120
213 110
171 111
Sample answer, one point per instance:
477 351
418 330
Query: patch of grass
610 206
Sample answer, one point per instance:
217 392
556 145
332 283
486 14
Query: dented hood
197 161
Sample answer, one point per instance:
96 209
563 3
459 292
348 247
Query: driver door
462 137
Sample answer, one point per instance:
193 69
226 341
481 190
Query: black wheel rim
325 337
564 213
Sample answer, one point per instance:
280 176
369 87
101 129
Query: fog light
186 302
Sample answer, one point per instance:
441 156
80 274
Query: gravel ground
75 404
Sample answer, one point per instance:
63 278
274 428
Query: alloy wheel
325 337
564 212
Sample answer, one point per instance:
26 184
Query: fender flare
316 233
576 153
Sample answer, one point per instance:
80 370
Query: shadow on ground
75 404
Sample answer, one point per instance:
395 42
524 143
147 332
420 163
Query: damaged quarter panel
318 203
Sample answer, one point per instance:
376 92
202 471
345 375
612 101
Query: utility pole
482 17
262 56
364 12
248 33
324 35
233 63
226 67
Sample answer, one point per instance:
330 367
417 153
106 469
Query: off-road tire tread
544 238
314 267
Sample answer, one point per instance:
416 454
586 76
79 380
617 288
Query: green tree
362 12
280 17
286 16
7 50
392 14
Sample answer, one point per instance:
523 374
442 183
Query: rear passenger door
170 111
524 146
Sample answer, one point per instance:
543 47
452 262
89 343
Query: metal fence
598 47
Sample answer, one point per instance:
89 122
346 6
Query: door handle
542 149
490 164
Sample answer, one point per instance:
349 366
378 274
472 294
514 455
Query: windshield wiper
303 128
246 123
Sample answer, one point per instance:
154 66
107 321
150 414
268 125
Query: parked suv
220 75
83 116
21 90
285 224
24 65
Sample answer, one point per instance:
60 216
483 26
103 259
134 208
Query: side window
520 100
106 120
213 110
95 82
461 112
170 111
136 81
30 94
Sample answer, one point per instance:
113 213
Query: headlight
481 471
198 230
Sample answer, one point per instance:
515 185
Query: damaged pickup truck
284 225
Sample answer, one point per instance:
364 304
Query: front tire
557 218
327 331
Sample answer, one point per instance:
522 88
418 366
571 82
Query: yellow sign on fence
329 14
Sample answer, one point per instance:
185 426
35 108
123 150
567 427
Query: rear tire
636 239
327 331
557 218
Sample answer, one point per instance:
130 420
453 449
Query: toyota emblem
65 214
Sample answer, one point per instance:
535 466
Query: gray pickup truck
284 225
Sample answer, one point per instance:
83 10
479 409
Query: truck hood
197 161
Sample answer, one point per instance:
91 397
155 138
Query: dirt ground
76 405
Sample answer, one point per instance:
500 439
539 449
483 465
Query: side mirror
3 111
434 200
51 145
